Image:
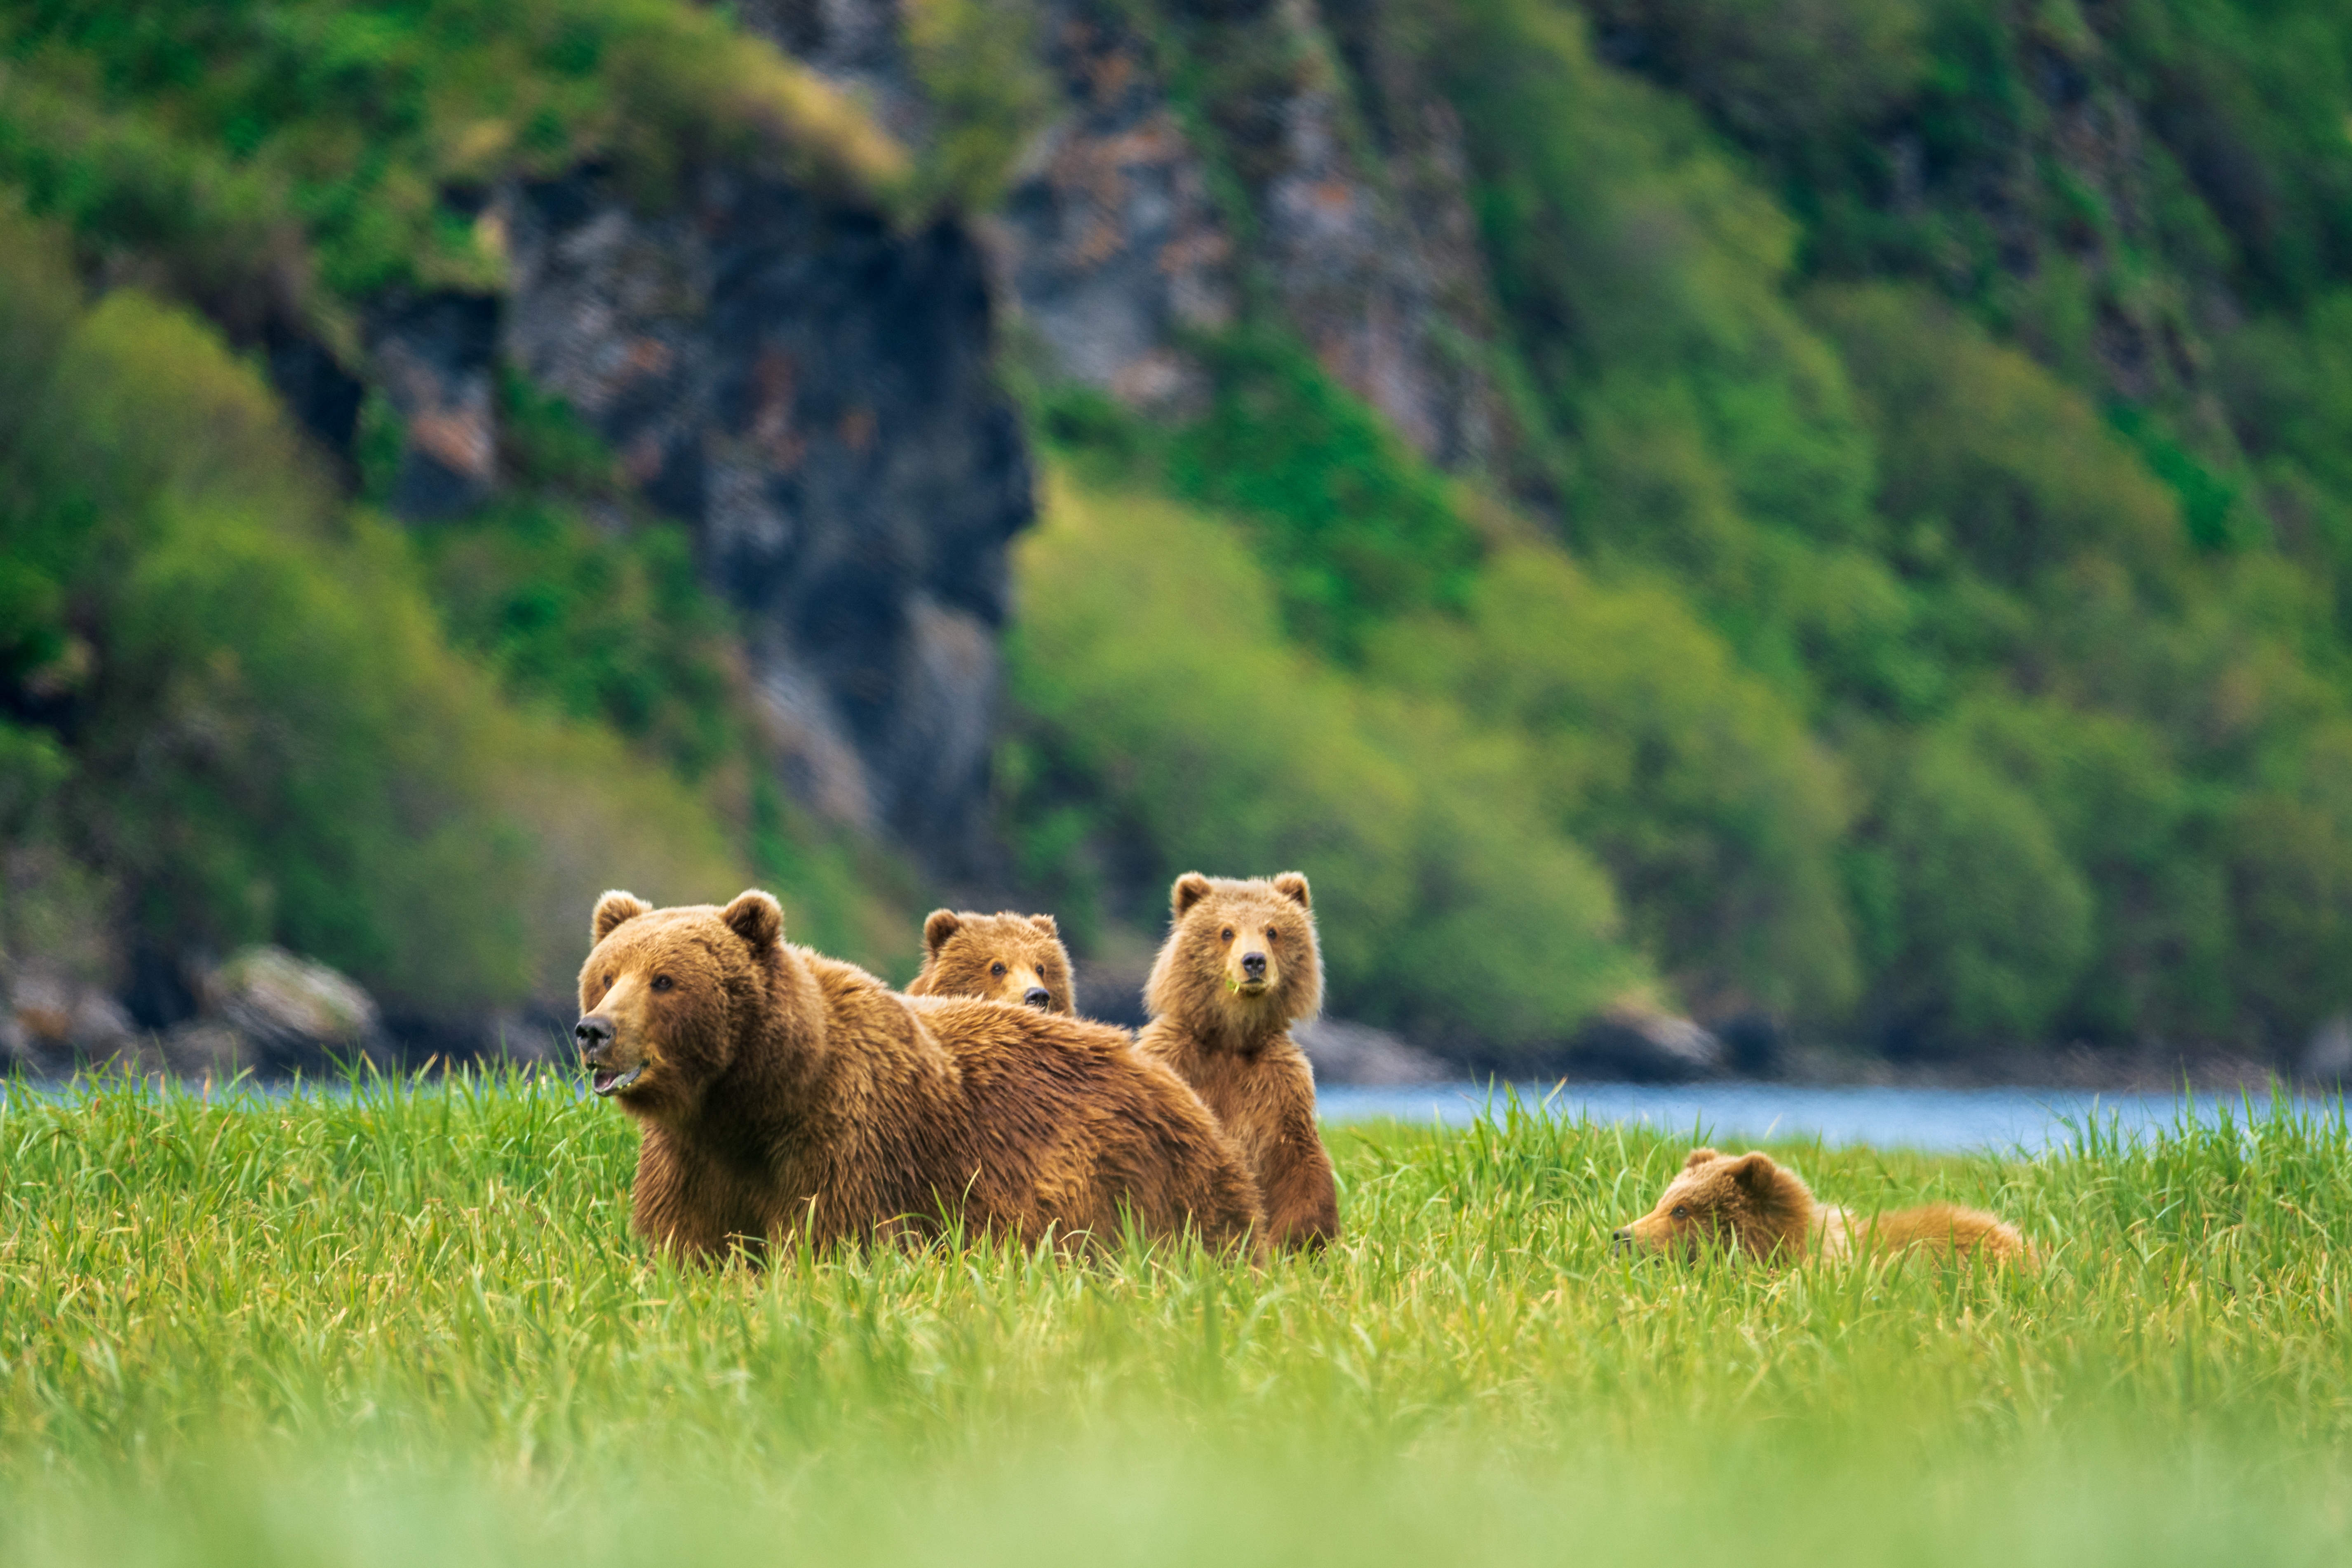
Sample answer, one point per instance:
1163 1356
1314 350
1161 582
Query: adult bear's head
668 997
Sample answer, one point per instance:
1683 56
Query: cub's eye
1229 933
997 970
663 982
608 983
1041 971
1272 934
1681 1212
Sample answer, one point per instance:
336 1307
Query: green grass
407 1323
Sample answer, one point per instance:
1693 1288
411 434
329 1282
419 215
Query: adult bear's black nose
1253 965
592 1034
1037 996
1620 1240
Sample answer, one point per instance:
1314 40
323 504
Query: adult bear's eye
1229 933
663 982
1041 971
997 970
1272 934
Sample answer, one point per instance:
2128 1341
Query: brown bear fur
1226 1031
1010 958
781 1094
1746 1203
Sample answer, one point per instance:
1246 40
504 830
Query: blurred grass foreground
406 1323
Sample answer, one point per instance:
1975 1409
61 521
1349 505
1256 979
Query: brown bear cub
782 1094
1239 967
1010 958
1748 1203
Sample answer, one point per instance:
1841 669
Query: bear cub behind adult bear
779 1092
1004 957
1239 967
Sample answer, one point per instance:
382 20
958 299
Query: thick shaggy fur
1748 1203
1223 1022
783 1094
1010 958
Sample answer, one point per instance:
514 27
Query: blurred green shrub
1979 443
1691 780
1171 726
269 738
1982 924
1354 526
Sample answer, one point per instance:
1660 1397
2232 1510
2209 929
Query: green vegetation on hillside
243 719
1914 600
1923 673
242 708
246 716
402 1321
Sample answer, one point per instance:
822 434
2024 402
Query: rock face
433 357
1109 245
813 393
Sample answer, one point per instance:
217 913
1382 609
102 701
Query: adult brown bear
781 1094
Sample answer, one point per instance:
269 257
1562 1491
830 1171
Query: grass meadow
405 1321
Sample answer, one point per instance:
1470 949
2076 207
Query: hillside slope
1829 517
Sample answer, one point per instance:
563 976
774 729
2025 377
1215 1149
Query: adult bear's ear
938 926
1292 884
1699 1157
757 918
1189 889
1046 923
615 908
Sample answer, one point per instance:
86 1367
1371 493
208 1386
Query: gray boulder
1345 1053
2329 1058
273 1012
1647 1047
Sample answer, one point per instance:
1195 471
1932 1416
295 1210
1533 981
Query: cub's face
659 996
1723 1201
1018 959
1246 946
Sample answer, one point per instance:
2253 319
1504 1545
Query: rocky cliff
811 392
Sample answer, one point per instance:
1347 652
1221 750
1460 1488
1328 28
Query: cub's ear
1190 888
1755 1172
615 908
938 926
1046 923
1698 1157
757 918
1292 884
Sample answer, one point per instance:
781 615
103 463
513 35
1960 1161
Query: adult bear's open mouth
612 1080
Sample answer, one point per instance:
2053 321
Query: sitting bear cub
1003 957
1239 967
783 1094
1745 1202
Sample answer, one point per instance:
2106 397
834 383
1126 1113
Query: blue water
2001 1121
1938 1120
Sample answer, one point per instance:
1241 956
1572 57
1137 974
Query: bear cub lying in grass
1010 958
1745 1202
780 1093
1239 967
